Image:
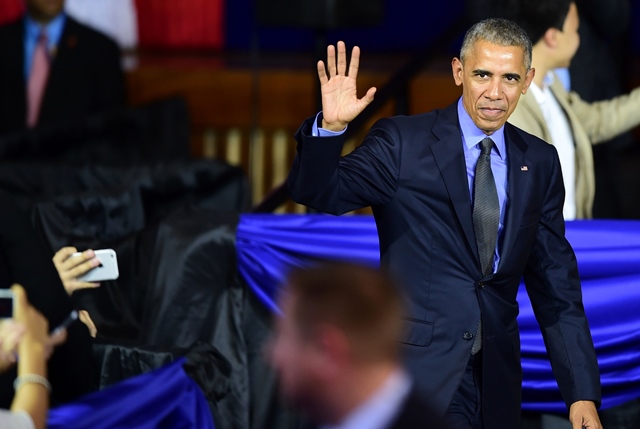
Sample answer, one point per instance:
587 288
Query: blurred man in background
55 69
336 350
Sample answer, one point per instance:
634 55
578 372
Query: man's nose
493 90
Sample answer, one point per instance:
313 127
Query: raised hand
340 103
10 335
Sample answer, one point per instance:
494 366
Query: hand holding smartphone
6 304
107 270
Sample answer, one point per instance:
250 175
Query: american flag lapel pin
524 168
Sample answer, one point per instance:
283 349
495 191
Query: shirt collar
381 407
53 29
472 135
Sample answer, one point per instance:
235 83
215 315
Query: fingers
20 302
583 414
10 335
322 73
338 66
36 325
354 64
86 319
331 60
71 267
80 269
342 59
62 254
368 97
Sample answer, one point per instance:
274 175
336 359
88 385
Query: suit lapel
519 182
14 70
60 64
449 157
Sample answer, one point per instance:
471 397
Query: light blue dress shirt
32 30
471 138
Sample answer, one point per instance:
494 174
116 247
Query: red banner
196 24
10 10
163 24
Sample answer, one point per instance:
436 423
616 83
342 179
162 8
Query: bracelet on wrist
31 378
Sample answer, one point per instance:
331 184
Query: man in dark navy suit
466 205
77 72
336 352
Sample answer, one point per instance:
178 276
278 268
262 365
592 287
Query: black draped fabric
120 208
196 294
204 364
124 180
173 227
25 259
157 131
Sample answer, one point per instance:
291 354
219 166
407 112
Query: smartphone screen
6 304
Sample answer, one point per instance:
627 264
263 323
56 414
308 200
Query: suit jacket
411 171
414 413
591 123
85 76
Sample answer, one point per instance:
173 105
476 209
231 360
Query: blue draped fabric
166 398
608 254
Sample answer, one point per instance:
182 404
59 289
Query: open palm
340 103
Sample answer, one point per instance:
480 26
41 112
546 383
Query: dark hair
361 302
537 16
501 32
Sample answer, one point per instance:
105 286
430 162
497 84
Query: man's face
44 10
293 357
492 77
568 39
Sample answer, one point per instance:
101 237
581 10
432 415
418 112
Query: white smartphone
107 270
6 303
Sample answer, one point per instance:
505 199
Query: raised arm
340 102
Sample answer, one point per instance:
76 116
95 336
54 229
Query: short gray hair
499 31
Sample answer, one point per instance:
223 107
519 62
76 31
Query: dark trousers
465 410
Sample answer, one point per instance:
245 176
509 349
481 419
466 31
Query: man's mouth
491 111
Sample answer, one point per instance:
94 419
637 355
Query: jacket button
467 335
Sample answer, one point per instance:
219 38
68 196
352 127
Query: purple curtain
608 255
165 398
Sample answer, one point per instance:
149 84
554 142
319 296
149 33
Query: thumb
20 302
368 97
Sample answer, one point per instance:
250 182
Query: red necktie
37 80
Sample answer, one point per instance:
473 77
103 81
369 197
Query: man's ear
550 38
456 69
528 78
333 346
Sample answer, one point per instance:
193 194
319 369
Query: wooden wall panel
249 117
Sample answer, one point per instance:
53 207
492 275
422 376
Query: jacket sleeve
604 120
323 180
553 285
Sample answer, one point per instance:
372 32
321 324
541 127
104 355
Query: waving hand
340 103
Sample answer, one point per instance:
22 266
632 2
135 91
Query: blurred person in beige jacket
560 117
